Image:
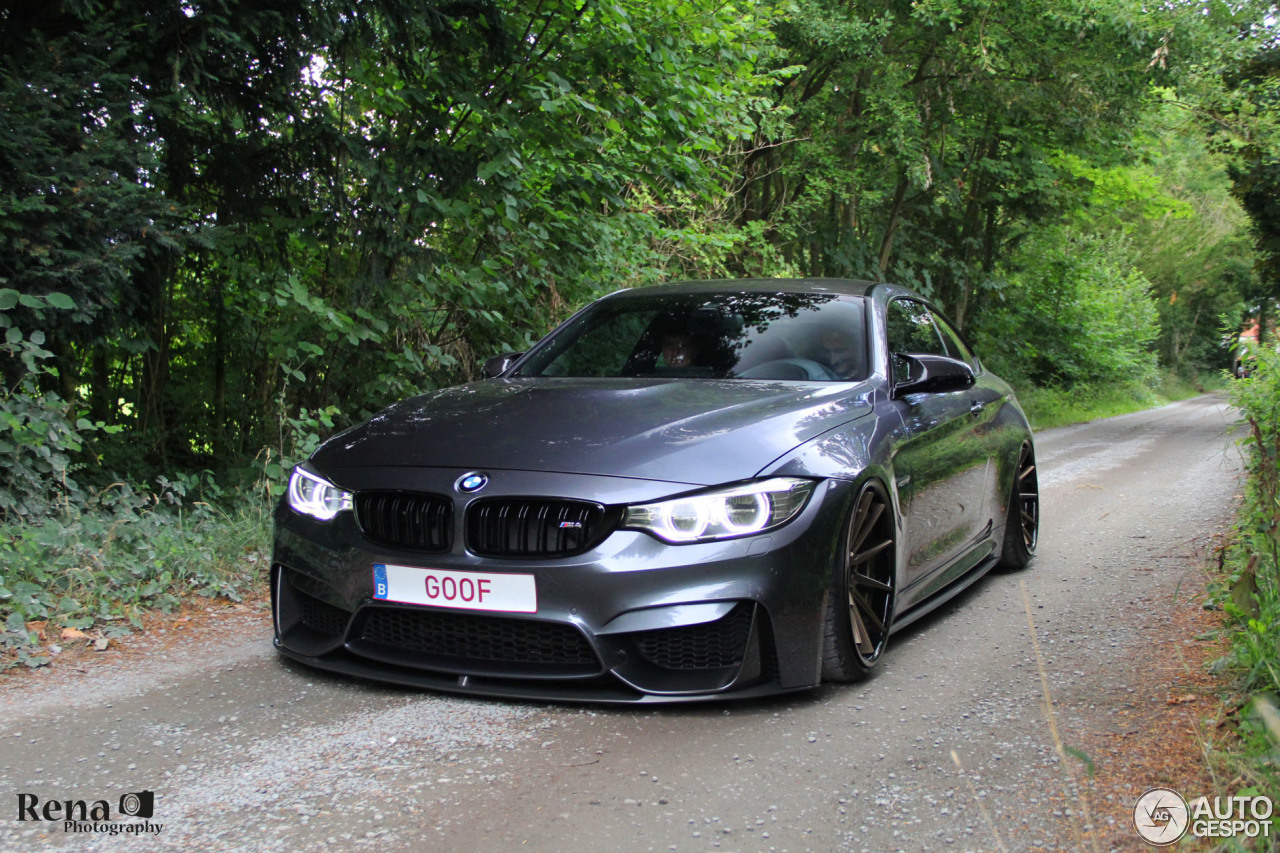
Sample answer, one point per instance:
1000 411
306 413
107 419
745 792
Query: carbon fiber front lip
604 691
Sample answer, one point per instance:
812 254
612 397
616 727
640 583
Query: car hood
699 432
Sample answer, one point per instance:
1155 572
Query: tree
259 214
1235 90
924 132
1181 228
1256 173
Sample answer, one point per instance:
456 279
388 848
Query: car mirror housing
499 364
930 374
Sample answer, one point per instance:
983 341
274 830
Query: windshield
781 336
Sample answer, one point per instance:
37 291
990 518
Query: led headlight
315 496
722 514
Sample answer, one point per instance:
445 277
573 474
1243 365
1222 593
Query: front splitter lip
595 693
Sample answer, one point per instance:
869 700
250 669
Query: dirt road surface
244 751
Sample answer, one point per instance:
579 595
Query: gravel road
247 752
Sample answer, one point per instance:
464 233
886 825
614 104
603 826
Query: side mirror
929 374
499 364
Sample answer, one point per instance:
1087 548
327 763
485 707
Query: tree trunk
219 370
101 391
68 370
154 284
886 242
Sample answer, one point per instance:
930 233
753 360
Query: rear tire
1022 528
860 602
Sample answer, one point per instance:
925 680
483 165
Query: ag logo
471 482
1161 816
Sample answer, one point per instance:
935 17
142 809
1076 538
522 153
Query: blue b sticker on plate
380 588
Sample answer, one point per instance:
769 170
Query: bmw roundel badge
472 483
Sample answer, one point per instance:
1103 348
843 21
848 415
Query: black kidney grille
420 522
479 638
712 645
532 527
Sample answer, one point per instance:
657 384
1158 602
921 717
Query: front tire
1022 528
860 602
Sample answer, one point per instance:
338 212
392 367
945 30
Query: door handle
976 408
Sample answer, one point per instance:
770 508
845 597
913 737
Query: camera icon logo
138 804
1161 816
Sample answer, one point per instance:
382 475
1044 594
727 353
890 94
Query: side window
911 329
955 346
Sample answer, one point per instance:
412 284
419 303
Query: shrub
1076 311
96 564
1250 593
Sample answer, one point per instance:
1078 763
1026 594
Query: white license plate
498 593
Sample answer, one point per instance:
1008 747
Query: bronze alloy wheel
1023 528
860 608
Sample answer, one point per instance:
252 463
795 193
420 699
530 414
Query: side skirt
943 595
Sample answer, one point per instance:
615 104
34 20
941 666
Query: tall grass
1051 407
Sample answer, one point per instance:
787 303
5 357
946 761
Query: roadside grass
1053 407
1248 588
88 574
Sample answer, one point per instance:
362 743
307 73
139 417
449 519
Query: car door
986 399
941 467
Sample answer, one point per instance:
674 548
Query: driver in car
679 350
841 350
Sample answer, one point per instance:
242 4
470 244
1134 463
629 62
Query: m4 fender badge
471 482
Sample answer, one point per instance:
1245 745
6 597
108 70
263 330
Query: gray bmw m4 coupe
689 491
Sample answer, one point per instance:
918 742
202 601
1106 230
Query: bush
1076 311
39 436
95 565
1250 594
82 563
1257 558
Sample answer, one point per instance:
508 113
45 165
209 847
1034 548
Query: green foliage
1250 590
100 562
1057 406
1118 190
37 439
299 436
1183 230
75 218
924 136
254 212
1075 312
238 215
40 433
1258 399
1240 96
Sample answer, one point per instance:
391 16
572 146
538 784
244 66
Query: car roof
845 286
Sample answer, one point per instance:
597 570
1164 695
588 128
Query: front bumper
632 620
